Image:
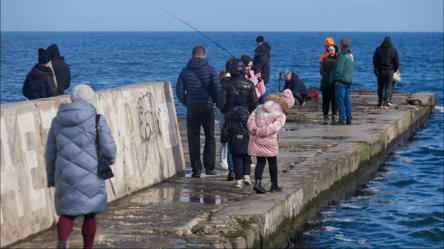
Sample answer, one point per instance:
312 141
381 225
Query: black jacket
39 83
235 130
325 70
386 56
61 69
261 61
237 84
296 85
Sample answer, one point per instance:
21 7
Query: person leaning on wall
72 164
61 69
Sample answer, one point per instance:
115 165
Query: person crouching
235 130
264 124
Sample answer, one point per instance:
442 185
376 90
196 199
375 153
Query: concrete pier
317 164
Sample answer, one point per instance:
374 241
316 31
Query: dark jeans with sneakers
201 115
328 95
272 165
242 165
385 79
300 97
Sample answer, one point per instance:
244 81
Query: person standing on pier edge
386 62
72 161
61 69
328 90
341 77
264 124
261 61
296 86
39 82
198 88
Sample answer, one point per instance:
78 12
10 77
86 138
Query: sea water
401 207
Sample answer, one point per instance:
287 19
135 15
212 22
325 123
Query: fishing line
195 30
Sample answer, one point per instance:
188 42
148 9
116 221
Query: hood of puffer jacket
263 48
53 51
278 100
237 68
72 114
240 114
387 43
196 62
39 70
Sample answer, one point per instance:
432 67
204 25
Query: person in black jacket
386 62
61 69
261 61
238 84
327 88
39 82
297 86
235 130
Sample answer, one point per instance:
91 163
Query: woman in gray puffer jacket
72 161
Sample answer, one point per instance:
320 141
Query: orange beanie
329 42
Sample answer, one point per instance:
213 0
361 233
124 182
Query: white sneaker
253 165
238 184
390 104
247 180
224 165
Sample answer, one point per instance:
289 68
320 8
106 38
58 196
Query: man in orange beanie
328 42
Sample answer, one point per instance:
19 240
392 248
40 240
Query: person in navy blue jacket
297 86
261 61
198 88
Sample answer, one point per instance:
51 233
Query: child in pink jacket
264 124
252 76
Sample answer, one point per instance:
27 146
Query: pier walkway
317 164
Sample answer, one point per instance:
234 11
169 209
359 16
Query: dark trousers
272 165
385 79
300 97
242 165
201 115
328 95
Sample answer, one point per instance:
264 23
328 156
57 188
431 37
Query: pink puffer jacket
267 120
259 86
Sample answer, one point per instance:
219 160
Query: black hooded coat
61 69
386 56
261 61
39 83
237 84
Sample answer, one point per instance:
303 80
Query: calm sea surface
402 207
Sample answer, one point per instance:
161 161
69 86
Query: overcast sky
214 15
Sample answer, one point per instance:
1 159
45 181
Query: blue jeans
342 92
223 153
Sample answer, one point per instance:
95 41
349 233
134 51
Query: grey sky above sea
214 15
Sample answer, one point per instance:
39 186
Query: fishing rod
195 30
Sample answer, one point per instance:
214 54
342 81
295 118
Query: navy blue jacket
188 88
261 61
61 69
296 85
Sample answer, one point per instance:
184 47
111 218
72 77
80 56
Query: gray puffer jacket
71 159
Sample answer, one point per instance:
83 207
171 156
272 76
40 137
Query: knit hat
44 57
82 93
329 42
287 97
239 100
260 39
331 48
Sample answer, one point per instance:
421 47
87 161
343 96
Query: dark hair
228 64
198 50
246 59
345 43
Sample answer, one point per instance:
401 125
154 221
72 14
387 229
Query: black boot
230 175
333 120
275 187
258 187
61 244
325 119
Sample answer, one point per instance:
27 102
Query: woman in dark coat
328 90
72 160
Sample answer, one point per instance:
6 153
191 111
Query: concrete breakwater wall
143 122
